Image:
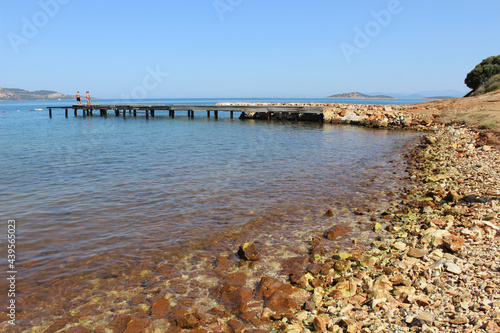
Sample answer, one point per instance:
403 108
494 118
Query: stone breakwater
402 116
415 117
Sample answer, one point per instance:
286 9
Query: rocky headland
14 94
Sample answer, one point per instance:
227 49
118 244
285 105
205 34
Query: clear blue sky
243 48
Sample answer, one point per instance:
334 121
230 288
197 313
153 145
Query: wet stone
59 324
337 231
141 298
138 325
236 298
294 265
251 317
268 286
119 323
281 302
161 308
222 265
248 251
314 269
78 329
236 279
301 279
189 320
236 326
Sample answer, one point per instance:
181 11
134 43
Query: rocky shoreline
433 268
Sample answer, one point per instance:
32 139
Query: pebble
452 267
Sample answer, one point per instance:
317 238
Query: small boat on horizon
38 109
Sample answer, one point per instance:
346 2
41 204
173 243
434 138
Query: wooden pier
269 111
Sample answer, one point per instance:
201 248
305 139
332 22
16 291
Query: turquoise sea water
96 195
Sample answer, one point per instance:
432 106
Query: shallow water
106 202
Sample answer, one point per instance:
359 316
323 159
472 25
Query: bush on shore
485 77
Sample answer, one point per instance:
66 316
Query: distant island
357 95
435 98
15 94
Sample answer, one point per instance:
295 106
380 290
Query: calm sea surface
96 196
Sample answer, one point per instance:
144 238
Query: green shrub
488 68
493 87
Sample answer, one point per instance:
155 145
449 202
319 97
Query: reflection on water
105 204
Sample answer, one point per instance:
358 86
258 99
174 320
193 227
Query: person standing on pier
88 98
78 99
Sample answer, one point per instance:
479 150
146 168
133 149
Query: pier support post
124 114
75 112
268 115
135 113
216 114
147 114
50 113
192 114
66 112
208 114
84 113
231 114
152 113
91 111
117 112
173 113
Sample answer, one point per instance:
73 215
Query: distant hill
15 94
435 98
357 95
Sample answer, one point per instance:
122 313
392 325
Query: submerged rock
337 231
249 252
189 320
